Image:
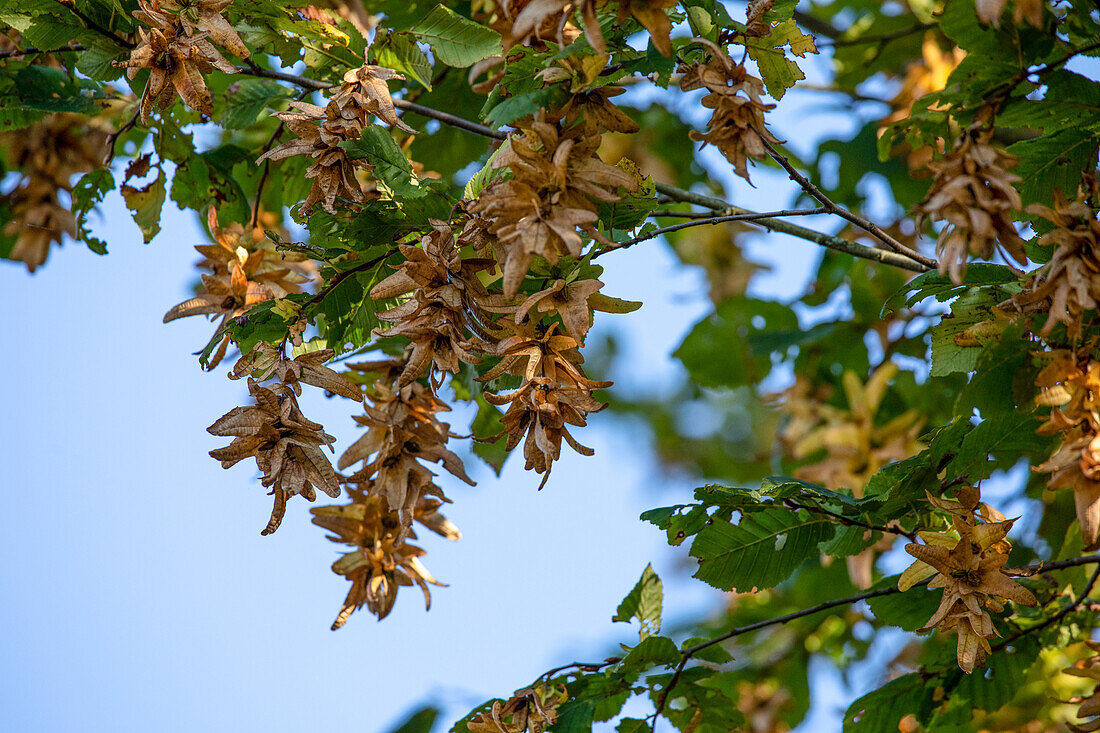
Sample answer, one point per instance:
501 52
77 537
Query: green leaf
390 164
87 193
1053 162
956 351
145 204
206 180
49 33
778 72
632 725
487 423
260 323
398 51
246 101
909 610
764 549
849 541
457 41
1004 674
575 716
421 721
880 711
45 89
350 313
933 284
485 176
643 603
98 57
1006 437
652 651
715 653
717 352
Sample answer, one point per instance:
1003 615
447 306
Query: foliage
371 240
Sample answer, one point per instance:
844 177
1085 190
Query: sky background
137 593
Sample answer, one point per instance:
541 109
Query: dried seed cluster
969 565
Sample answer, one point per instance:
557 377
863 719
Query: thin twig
341 276
669 213
816 25
869 226
444 117
267 163
785 227
911 536
880 39
92 25
748 216
1056 617
687 654
583 666
112 139
31 51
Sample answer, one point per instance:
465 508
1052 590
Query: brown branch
687 654
112 139
785 227
868 226
816 25
707 220
31 51
93 26
1055 618
444 117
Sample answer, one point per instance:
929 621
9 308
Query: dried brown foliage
48 154
1069 283
737 126
552 197
1089 668
970 569
382 559
243 273
177 46
1070 385
973 194
530 710
320 130
286 446
402 432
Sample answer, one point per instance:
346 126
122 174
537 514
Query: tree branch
687 654
29 51
1056 617
785 227
868 226
880 39
444 117
911 536
93 26
747 216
